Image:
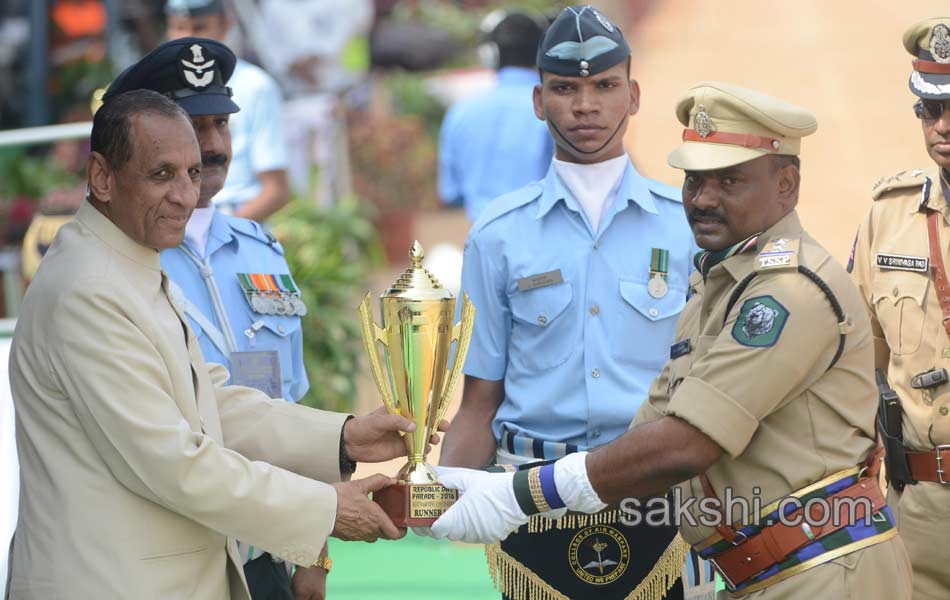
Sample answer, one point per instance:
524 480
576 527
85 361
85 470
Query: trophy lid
416 282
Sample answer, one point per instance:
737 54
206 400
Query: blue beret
191 71
193 8
581 42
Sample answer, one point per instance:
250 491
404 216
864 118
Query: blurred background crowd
340 131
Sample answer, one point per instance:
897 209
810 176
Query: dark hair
518 36
780 161
112 122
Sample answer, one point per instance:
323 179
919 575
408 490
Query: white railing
28 136
45 134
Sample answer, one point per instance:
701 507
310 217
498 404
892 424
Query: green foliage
330 252
393 161
410 97
22 175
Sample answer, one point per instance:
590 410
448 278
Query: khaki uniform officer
769 394
772 360
897 272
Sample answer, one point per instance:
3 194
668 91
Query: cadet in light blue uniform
578 351
229 276
491 143
577 282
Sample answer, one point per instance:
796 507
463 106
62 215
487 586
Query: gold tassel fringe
519 582
539 524
515 580
665 573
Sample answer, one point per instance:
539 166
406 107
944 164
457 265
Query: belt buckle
729 584
940 470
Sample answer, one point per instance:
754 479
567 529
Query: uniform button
584 72
653 312
595 373
281 329
597 245
595 433
895 291
542 320
944 410
595 310
584 64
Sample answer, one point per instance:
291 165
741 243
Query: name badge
259 370
774 259
900 262
681 349
532 282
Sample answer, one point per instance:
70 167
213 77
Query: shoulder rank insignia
904 179
780 253
760 322
272 294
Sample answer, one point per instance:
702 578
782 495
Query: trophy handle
462 334
373 333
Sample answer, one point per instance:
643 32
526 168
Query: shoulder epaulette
902 180
665 191
253 229
778 254
506 203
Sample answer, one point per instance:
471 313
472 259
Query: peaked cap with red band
929 42
727 125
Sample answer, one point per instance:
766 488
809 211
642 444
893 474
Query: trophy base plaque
415 504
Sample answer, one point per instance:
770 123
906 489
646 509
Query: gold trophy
417 332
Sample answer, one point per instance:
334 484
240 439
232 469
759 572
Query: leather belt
776 542
938 272
931 465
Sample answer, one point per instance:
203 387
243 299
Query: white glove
488 511
485 513
573 484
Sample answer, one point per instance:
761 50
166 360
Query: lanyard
207 274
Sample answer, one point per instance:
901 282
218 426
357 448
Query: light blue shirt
257 134
577 357
238 246
493 143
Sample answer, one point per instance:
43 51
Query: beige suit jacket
138 467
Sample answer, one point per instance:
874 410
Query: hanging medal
659 270
258 293
288 284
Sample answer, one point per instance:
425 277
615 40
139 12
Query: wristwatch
324 562
347 465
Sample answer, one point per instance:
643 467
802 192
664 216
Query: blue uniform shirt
577 357
493 143
239 246
257 135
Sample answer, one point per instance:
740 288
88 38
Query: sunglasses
930 110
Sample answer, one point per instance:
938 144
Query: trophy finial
416 254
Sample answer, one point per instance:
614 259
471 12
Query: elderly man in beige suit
138 465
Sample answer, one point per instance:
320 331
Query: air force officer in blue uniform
577 281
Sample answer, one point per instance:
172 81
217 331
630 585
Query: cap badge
703 123
587 50
604 21
940 43
196 71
